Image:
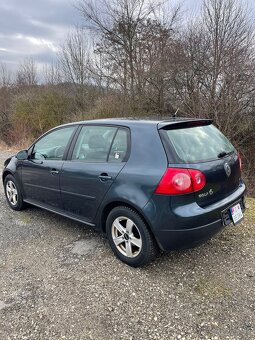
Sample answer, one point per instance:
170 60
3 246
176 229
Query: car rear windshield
195 144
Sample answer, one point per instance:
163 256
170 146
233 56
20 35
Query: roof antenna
174 115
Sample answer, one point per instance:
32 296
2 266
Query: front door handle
54 172
104 177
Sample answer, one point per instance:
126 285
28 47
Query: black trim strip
40 187
59 213
189 123
79 195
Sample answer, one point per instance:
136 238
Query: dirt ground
60 280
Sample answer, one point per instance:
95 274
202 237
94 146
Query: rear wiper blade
223 154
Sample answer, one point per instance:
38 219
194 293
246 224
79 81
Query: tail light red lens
198 179
180 181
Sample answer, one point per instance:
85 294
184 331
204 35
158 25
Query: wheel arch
110 206
6 173
10 172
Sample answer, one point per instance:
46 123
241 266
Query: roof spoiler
183 123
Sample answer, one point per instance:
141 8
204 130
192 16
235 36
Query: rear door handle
54 172
104 177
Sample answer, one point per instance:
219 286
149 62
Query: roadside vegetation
250 212
136 58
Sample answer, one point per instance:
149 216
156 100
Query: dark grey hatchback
148 185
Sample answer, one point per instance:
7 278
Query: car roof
129 122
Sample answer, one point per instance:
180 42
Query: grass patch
212 288
25 218
250 211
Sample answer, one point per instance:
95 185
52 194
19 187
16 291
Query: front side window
53 145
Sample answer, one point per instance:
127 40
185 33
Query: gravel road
60 280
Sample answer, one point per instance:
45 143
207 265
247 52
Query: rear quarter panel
141 174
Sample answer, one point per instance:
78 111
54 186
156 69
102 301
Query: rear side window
93 143
101 144
195 144
119 147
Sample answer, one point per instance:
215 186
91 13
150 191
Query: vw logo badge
227 169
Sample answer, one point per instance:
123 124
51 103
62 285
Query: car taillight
180 181
240 162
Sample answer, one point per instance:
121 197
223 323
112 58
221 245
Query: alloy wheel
126 237
12 193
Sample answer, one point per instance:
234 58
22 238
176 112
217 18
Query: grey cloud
23 21
16 23
49 11
26 26
45 58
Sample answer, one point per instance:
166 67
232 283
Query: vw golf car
148 185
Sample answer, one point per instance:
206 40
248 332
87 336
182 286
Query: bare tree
130 34
218 80
74 60
5 101
52 74
74 57
27 73
5 76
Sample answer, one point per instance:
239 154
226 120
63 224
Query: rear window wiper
224 153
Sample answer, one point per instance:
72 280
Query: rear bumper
188 225
188 238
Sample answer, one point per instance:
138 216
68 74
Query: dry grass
15 147
250 211
213 288
5 147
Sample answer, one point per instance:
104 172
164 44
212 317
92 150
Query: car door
97 158
40 172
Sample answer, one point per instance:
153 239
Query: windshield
197 144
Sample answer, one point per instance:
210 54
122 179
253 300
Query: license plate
236 213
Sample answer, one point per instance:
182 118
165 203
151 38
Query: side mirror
22 155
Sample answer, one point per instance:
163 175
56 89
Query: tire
13 193
129 237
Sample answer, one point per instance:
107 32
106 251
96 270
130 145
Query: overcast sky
36 28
